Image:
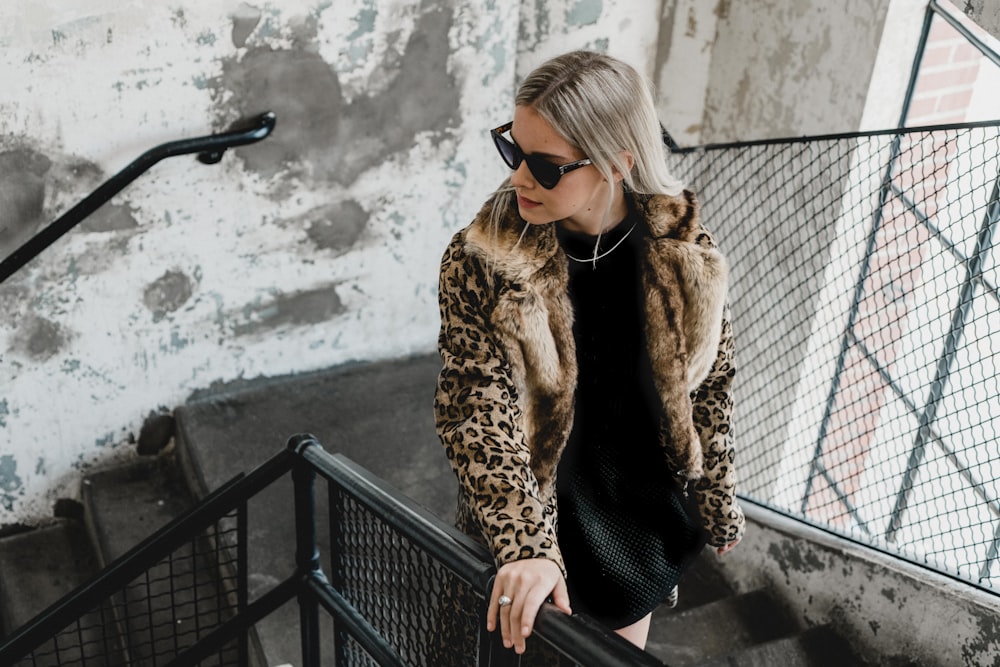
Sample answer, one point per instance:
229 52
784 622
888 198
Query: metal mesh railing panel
425 612
154 617
865 301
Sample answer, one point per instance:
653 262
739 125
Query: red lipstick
526 203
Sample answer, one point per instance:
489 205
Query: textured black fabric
626 529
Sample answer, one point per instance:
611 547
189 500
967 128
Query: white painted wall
318 246
321 244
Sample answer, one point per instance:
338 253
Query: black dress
613 487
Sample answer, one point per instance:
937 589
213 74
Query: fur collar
684 281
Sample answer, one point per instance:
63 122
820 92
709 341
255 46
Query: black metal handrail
402 521
209 149
820 138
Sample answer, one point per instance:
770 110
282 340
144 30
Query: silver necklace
606 252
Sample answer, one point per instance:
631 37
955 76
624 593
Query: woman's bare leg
637 632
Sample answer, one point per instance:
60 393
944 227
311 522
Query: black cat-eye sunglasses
546 173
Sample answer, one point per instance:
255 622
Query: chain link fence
864 288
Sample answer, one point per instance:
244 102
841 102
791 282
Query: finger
529 610
514 623
505 625
560 596
492 611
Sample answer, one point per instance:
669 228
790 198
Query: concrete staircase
379 415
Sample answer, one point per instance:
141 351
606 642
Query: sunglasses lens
508 151
546 173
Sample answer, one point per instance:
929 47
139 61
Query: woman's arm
479 419
712 404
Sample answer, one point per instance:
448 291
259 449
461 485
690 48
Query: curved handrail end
299 442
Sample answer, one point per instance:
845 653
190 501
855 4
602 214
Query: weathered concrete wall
986 14
683 62
739 71
892 613
782 69
318 246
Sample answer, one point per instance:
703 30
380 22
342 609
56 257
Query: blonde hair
603 107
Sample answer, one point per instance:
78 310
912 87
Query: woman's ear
629 161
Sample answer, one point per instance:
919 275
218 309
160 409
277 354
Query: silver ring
504 601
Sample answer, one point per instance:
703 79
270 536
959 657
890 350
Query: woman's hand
527 583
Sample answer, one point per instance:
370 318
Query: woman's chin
533 216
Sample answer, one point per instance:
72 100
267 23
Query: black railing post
243 584
306 549
337 579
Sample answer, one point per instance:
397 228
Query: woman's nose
522 176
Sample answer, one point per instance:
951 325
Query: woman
585 331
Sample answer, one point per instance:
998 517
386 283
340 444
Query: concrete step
815 647
39 567
126 504
726 626
171 604
378 414
701 584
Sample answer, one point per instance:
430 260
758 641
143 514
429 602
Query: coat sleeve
715 491
478 419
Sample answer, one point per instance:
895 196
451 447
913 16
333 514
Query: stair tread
179 597
378 414
733 623
816 647
39 567
128 503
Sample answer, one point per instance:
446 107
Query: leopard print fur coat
504 400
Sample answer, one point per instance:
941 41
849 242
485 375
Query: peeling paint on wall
985 13
167 294
584 12
311 307
302 89
336 226
22 196
36 188
768 59
323 138
10 483
39 339
110 218
246 18
361 39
